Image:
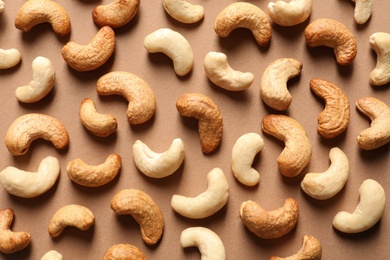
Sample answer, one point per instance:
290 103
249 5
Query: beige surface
242 113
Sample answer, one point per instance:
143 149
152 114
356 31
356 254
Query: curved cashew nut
183 11
208 202
311 249
207 241
10 241
144 210
380 43
325 185
244 15
116 14
42 83
273 85
34 12
210 122
124 251
174 45
243 154
9 58
334 119
290 13
94 175
367 213
158 165
2 6
363 11
221 74
269 224
31 184
142 101
29 127
52 255
297 152
92 55
333 34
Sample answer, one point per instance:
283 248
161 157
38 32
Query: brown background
242 113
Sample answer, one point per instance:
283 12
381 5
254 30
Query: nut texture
363 11
116 14
52 255
311 250
183 11
380 43
9 58
290 13
124 251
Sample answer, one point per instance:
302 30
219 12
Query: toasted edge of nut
116 14
124 251
311 249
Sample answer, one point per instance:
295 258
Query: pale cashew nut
221 74
116 14
273 85
31 184
311 249
210 122
10 241
2 6
158 165
368 211
244 15
42 83
333 34
124 251
94 175
52 255
207 241
9 58
208 202
34 12
141 98
269 224
380 43
92 55
29 127
363 11
71 215
298 150
183 11
290 13
243 154
327 184
144 210
174 45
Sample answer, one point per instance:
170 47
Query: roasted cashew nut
116 14
221 74
174 45
208 202
31 184
124 251
52 255
363 11
311 249
9 58
290 13
269 224
368 211
158 165
183 11
380 43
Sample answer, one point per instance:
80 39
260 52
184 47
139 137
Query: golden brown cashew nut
92 55
380 43
9 58
311 249
29 127
183 11
116 14
124 251
363 11
34 12
290 13
269 224
333 34
10 241
144 210
210 122
52 255
297 152
142 102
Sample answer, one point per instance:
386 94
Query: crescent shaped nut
311 249
124 251
380 43
116 14
290 13
9 58
183 11
363 11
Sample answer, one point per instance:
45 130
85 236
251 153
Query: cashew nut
334 119
269 224
42 83
92 55
52 255
124 251
116 14
158 165
183 11
380 43
34 12
207 241
174 45
144 210
378 134
327 184
141 98
311 249
290 13
363 11
244 15
208 202
273 85
31 184
29 127
210 122
9 58
333 34
243 154
221 74
94 175
297 152
99 124
71 215
368 211
2 6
